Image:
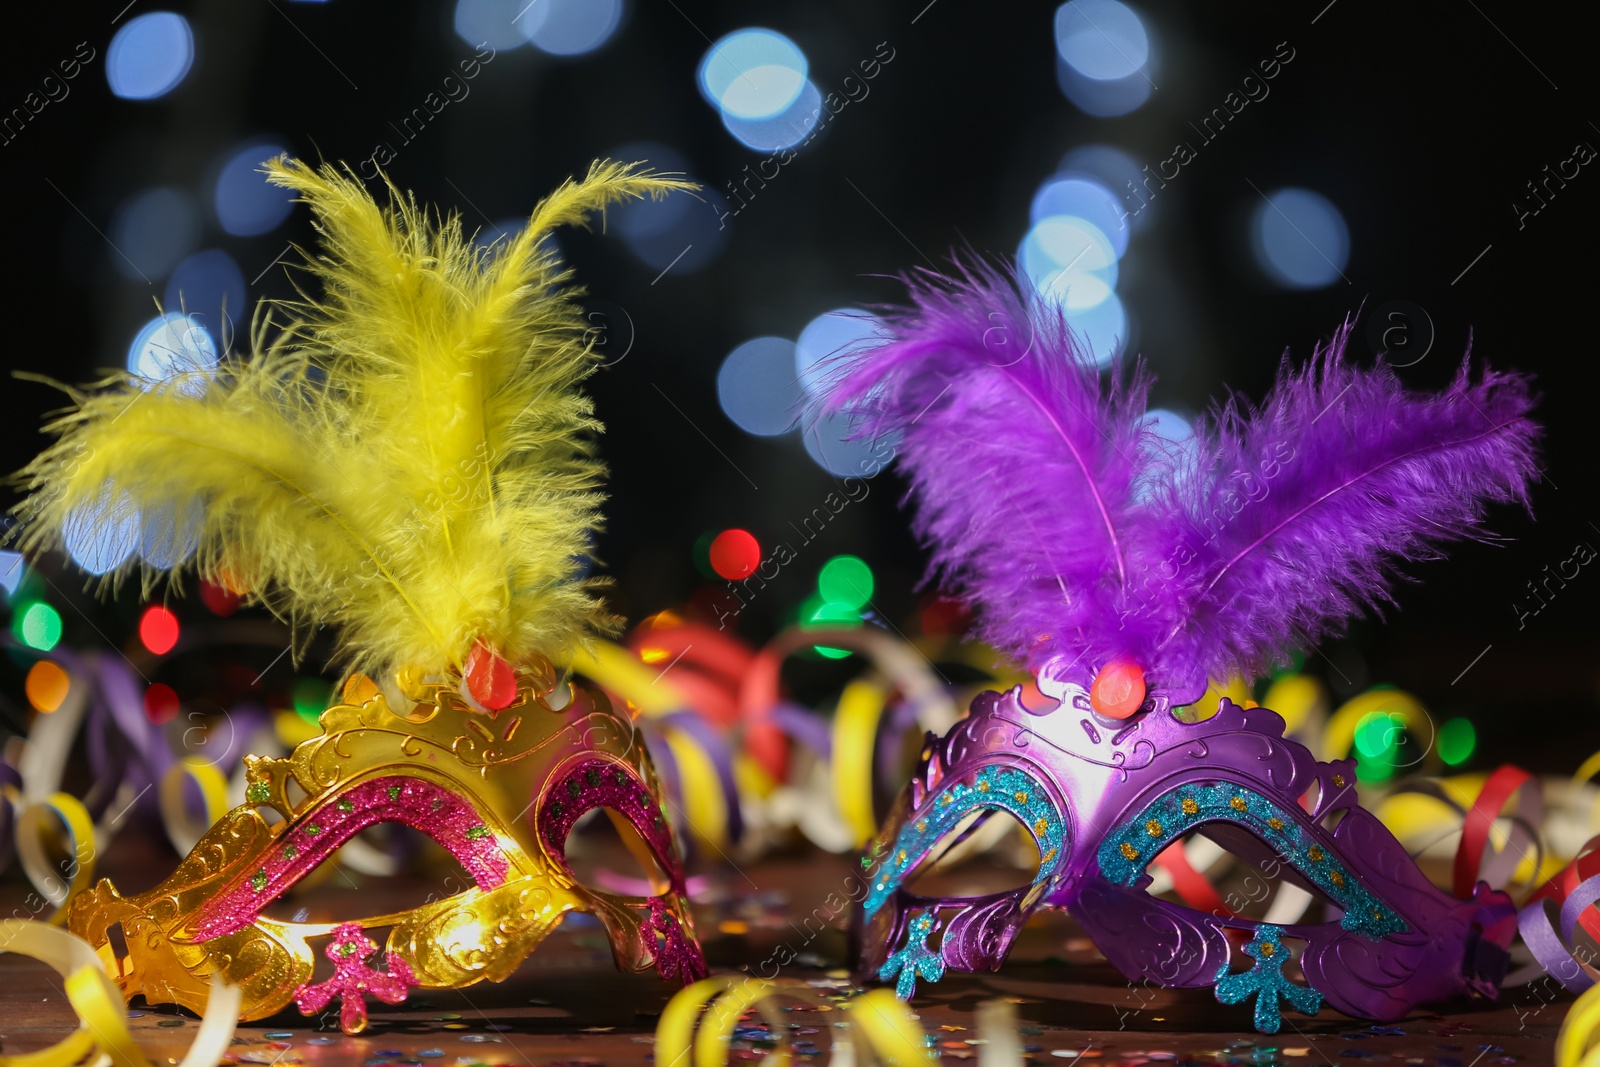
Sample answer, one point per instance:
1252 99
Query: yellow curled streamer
619 670
855 733
74 818
883 1026
1341 732
1587 770
701 790
1578 1043
102 1012
182 831
1300 700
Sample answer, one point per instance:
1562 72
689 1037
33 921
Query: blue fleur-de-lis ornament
915 960
1266 982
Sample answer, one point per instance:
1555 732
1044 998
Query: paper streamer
881 1028
102 1012
1578 1043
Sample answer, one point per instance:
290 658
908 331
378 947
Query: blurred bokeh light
150 55
1300 239
572 27
153 230
246 204
830 334
1104 56
758 388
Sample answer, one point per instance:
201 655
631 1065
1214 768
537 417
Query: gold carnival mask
500 794
408 460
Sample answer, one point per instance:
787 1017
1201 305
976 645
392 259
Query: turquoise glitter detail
914 961
1128 849
1266 982
1004 788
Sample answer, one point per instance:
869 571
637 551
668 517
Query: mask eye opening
599 847
1227 869
989 850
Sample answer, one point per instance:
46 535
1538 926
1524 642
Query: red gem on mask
1118 690
490 678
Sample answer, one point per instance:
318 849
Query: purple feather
1083 537
1305 504
1022 462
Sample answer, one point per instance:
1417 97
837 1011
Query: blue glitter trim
915 960
1128 849
1004 788
1265 981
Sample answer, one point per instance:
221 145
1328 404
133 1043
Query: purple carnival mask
1103 797
1127 569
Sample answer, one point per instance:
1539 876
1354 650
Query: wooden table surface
568 1004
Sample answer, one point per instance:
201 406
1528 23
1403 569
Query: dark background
1422 122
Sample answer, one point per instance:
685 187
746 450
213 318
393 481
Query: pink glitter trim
314 836
599 783
677 957
352 979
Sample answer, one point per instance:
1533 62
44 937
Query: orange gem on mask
1118 690
490 678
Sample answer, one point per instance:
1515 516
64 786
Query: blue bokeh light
11 570
150 55
170 534
682 232
1066 244
500 24
101 535
1103 99
827 442
1169 425
783 130
1120 174
1105 56
753 74
246 204
1100 328
830 334
758 388
649 217
209 287
1300 239
173 345
574 27
153 230
1086 199
1101 39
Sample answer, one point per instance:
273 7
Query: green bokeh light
1378 737
846 580
830 613
311 698
1457 740
702 554
39 626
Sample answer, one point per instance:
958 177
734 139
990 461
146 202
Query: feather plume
1305 505
407 457
1021 461
1049 501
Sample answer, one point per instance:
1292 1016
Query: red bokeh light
158 629
735 554
220 599
161 704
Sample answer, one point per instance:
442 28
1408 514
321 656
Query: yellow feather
408 458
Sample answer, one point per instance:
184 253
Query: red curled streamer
1501 786
1192 887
